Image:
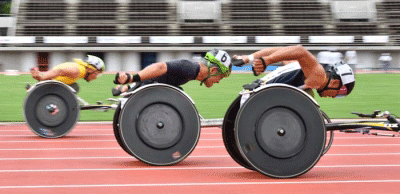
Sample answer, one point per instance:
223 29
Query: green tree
5 7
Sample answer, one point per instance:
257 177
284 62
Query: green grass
372 92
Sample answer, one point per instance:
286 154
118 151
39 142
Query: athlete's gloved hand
122 78
116 92
259 66
116 79
238 62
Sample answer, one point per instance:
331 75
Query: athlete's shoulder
186 61
66 65
71 68
182 62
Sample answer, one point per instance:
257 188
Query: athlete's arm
313 71
152 71
258 54
266 52
72 72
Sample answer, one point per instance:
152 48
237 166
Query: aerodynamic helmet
221 60
95 62
345 74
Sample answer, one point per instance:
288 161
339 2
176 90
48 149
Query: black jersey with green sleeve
178 73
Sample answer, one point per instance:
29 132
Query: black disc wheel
280 132
51 109
159 125
116 129
228 134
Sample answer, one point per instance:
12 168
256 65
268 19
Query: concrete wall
130 61
26 61
113 61
56 58
6 22
10 60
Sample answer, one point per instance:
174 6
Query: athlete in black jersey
213 67
303 70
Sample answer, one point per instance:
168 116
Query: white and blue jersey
290 74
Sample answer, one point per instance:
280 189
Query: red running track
89 160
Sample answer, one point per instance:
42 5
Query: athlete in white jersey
330 80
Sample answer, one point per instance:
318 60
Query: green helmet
221 60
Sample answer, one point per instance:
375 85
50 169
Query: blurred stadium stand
236 18
190 25
122 16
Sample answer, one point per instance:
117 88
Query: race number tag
224 58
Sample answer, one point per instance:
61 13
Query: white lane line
72 135
51 149
125 169
105 157
364 145
202 156
157 168
367 137
27 130
106 148
93 129
68 141
85 134
364 154
95 140
358 166
200 184
55 141
197 147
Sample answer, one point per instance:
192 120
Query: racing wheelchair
51 108
156 123
280 131
275 129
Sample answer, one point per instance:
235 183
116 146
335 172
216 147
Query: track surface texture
89 160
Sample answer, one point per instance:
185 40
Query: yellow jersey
70 80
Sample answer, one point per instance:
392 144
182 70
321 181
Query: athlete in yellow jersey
70 72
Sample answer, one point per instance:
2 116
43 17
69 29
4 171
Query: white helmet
95 62
345 74
220 59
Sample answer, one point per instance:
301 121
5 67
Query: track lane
354 164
